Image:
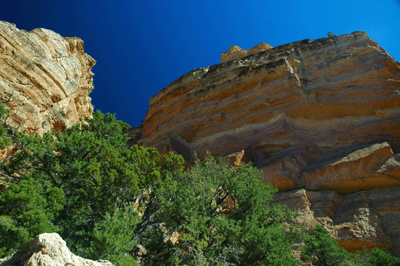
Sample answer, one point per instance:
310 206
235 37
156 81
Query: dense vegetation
129 205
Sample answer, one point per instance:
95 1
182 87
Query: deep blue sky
143 46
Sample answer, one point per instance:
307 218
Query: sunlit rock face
45 79
321 119
236 52
328 92
367 218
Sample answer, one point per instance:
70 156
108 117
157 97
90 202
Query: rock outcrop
328 92
45 79
321 119
367 218
48 249
236 52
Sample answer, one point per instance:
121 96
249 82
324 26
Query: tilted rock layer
321 119
45 79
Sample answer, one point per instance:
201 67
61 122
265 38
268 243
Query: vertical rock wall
45 79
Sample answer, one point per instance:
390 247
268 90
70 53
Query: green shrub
26 210
321 249
4 139
252 234
381 258
111 238
96 174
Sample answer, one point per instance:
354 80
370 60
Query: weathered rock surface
328 92
48 249
321 119
236 52
46 77
367 218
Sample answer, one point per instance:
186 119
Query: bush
111 238
93 171
82 183
26 210
4 139
381 258
252 234
321 249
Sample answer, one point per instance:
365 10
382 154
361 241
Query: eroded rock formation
328 92
45 78
321 119
236 52
49 249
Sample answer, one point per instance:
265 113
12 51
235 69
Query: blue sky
143 46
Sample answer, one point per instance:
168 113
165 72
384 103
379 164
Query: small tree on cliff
9 134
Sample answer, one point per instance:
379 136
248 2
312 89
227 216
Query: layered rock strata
321 119
48 249
329 92
368 218
45 79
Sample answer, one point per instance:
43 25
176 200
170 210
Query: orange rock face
321 119
45 77
329 92
367 218
236 52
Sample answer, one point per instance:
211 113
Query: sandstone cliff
321 118
45 79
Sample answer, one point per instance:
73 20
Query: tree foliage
322 250
96 175
248 232
124 204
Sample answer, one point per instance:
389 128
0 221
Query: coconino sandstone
47 76
321 119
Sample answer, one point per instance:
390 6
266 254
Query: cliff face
321 118
45 78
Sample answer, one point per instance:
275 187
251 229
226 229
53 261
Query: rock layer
321 119
49 249
45 79
236 52
367 218
328 92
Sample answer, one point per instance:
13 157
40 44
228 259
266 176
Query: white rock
49 250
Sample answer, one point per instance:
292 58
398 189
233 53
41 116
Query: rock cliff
321 119
45 79
48 249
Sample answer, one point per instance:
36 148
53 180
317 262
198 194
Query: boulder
48 249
